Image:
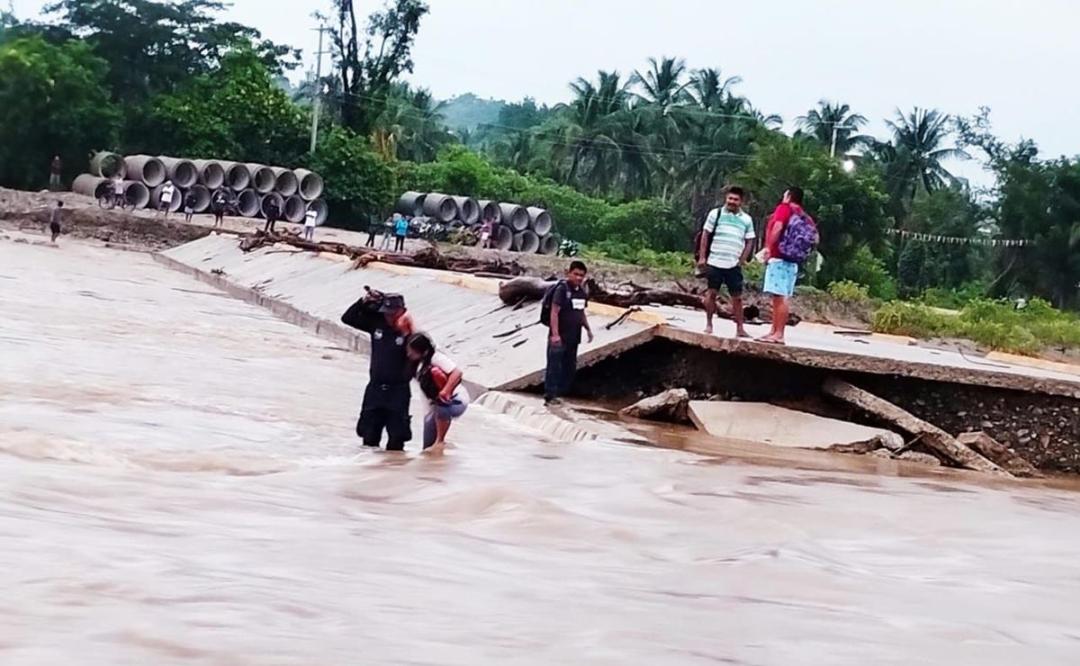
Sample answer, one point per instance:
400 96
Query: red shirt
779 217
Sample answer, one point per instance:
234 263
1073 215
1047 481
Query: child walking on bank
440 380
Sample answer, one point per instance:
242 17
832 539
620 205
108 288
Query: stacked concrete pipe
201 194
91 186
249 203
411 204
311 184
108 165
286 183
237 177
295 209
181 172
263 179
211 174
549 244
489 210
441 207
468 210
146 168
502 238
174 204
516 217
540 221
526 242
136 193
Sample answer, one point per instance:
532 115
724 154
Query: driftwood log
428 257
999 453
930 435
525 289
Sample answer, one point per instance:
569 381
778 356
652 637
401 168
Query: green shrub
866 269
847 291
670 264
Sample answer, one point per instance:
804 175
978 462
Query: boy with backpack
563 312
790 238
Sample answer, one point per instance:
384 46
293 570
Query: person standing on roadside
189 206
727 241
563 311
386 398
168 191
789 238
401 232
56 172
272 212
311 217
54 220
486 228
218 205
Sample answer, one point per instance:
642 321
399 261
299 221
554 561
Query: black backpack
545 304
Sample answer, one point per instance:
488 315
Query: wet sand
180 484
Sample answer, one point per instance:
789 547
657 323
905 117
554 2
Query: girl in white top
440 380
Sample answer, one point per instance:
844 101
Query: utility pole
316 102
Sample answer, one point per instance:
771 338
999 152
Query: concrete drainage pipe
411 204
540 221
200 196
174 204
247 204
295 209
273 196
237 177
108 165
441 207
503 238
515 216
182 173
137 194
321 211
286 184
489 210
211 174
311 184
262 177
468 210
526 242
549 244
91 186
146 168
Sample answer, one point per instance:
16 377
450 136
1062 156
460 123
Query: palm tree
590 122
709 90
834 126
663 84
920 140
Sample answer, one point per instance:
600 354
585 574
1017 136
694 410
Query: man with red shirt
780 274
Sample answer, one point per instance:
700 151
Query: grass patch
996 325
668 264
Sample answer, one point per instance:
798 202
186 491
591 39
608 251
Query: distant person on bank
168 191
566 303
190 199
218 205
388 226
727 241
781 271
440 381
118 191
401 232
54 220
386 398
272 212
56 171
311 219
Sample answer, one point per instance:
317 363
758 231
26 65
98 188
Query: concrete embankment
502 348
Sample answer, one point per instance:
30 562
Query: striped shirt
729 236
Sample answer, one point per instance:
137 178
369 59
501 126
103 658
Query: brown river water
180 484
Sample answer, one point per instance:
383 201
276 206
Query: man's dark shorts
732 278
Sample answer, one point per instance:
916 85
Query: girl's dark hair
422 343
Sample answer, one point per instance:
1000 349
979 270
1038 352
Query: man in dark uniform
386 399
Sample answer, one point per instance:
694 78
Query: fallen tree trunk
931 436
527 289
429 257
999 453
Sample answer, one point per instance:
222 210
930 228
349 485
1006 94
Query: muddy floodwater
180 484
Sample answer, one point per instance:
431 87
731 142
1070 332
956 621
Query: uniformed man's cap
392 303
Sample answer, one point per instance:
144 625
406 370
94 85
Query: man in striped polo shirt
727 240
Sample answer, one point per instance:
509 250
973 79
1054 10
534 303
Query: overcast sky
1017 57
